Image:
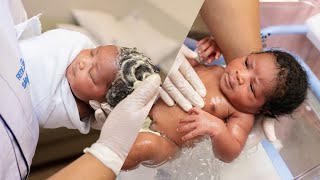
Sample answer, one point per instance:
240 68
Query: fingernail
202 92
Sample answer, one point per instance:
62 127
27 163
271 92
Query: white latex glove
183 85
123 124
268 129
262 126
102 110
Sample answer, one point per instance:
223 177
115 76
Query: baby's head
107 73
134 67
270 83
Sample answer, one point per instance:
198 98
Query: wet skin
235 82
244 82
155 149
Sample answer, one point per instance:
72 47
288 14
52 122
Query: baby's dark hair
291 87
133 67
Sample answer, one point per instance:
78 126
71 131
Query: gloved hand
261 126
123 124
183 84
268 129
102 110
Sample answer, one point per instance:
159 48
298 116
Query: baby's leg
150 150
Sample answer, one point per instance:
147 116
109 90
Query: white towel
47 57
28 28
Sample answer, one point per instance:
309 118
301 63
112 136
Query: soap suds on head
133 67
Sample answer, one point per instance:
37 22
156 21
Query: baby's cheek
100 94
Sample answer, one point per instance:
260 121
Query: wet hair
133 67
291 85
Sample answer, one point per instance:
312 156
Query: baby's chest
218 107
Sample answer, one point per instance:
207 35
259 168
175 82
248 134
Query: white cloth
18 13
15 104
28 28
47 57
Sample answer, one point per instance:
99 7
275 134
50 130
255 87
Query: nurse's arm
235 26
85 167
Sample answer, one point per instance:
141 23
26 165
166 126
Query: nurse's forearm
85 167
235 26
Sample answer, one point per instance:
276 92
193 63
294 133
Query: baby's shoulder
236 114
218 70
241 120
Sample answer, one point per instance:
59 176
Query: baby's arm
227 139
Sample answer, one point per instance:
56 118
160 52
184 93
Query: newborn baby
66 71
265 83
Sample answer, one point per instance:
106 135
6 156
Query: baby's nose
240 76
81 65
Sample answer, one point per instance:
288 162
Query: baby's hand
200 123
208 50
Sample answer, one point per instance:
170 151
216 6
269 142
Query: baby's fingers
195 110
203 48
203 41
218 54
191 135
207 52
189 119
186 127
210 59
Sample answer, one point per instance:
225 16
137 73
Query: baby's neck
83 108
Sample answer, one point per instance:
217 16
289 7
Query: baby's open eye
91 52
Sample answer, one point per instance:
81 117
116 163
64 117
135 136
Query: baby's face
247 81
91 73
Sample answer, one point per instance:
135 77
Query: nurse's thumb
147 90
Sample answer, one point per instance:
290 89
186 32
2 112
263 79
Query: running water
193 163
196 163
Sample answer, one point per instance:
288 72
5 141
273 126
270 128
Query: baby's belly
166 120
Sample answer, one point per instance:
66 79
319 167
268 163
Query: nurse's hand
269 129
123 124
101 112
183 85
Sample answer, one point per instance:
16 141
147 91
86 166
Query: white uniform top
47 57
19 128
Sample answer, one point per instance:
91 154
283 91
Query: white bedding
130 31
